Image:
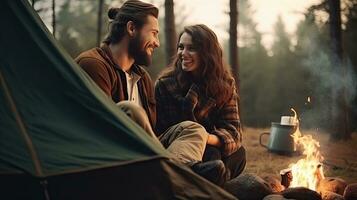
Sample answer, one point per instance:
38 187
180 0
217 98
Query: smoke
329 84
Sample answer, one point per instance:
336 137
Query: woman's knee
188 130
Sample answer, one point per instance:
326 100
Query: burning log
330 184
331 196
286 177
274 183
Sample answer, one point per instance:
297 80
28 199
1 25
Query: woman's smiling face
188 54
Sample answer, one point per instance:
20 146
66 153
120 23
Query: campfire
302 180
308 171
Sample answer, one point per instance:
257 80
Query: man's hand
214 140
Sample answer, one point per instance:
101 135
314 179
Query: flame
307 172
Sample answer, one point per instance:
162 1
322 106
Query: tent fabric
62 138
53 111
122 182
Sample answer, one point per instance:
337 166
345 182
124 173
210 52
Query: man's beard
140 55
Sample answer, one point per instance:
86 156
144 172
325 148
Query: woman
199 87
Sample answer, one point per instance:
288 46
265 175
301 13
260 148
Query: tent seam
114 164
20 123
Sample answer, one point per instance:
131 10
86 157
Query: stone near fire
301 193
276 197
350 192
248 187
327 195
332 184
274 183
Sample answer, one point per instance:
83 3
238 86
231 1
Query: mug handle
260 139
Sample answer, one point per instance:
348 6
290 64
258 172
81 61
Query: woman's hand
214 140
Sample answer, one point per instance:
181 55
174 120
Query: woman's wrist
214 140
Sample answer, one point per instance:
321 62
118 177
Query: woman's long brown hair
214 77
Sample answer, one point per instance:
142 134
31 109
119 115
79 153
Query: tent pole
44 184
21 125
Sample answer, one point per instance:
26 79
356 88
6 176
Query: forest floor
340 158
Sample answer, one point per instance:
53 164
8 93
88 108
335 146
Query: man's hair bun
112 13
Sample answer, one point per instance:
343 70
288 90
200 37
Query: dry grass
340 157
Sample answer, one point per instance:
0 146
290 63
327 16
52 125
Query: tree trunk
99 22
170 32
339 108
233 48
54 18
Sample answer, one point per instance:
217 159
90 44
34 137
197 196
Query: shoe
214 171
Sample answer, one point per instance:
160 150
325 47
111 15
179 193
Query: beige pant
186 141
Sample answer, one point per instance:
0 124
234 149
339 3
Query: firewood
327 195
274 183
332 184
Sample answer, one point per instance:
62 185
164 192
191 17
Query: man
117 69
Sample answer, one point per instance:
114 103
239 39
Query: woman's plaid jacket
175 105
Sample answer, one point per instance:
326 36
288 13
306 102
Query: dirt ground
340 158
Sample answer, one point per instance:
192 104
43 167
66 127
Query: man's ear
130 27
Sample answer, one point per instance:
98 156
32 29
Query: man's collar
108 53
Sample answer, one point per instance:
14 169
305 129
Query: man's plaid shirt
175 105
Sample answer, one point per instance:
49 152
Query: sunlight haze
214 13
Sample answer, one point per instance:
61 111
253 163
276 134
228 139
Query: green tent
61 138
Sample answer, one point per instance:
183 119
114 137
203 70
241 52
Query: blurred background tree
349 36
170 31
